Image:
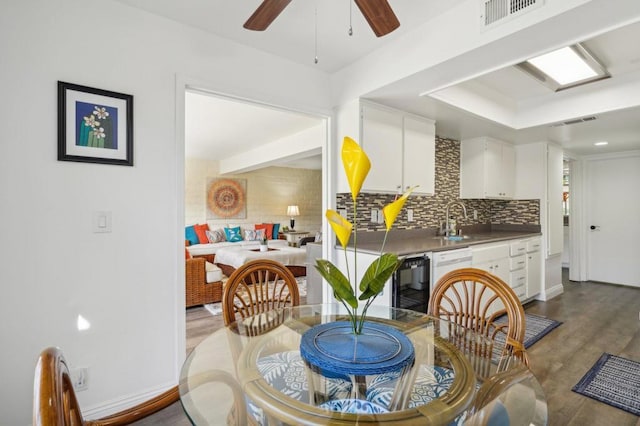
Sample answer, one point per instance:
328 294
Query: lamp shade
293 211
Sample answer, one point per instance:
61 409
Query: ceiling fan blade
379 15
265 14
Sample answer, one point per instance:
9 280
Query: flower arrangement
96 129
357 165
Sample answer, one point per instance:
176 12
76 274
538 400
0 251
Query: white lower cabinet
493 258
525 267
518 263
534 272
364 260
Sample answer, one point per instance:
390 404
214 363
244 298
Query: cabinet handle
522 263
521 249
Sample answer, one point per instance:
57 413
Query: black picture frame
94 125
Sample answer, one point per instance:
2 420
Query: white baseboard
550 293
120 404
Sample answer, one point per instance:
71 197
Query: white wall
128 283
269 191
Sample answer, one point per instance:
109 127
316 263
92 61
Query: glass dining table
251 372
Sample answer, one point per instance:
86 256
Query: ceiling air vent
497 11
575 121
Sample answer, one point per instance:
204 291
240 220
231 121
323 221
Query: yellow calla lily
356 165
341 226
391 210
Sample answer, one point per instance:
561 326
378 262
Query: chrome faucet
447 231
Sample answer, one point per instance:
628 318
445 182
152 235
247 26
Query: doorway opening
279 152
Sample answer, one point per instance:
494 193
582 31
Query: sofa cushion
190 234
253 235
213 272
267 227
201 232
233 234
216 235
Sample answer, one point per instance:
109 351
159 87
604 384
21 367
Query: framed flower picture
94 125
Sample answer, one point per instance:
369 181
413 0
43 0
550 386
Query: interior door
612 219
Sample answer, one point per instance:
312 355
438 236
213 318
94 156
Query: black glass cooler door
411 284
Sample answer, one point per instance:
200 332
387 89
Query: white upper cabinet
487 168
401 147
382 141
419 155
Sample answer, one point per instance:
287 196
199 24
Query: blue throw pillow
276 229
190 234
233 234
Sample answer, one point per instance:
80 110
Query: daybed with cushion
204 242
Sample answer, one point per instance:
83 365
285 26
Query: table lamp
292 211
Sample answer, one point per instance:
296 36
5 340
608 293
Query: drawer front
517 262
487 254
518 279
534 245
517 248
521 291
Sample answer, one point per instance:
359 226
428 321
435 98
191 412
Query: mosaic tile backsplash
429 211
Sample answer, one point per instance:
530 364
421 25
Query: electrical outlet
80 378
409 215
374 215
342 212
475 214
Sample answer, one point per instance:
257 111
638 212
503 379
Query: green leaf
342 289
378 274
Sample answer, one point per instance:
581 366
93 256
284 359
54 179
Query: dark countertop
405 242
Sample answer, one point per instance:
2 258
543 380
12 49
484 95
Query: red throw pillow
268 229
187 255
201 232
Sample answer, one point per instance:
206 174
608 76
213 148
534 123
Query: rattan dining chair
479 301
55 402
257 287
471 299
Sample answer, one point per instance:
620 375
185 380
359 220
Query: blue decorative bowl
335 350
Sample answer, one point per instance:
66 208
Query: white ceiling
218 128
506 103
292 34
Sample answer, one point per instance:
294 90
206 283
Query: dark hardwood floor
596 318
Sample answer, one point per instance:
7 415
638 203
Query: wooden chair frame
469 295
256 287
55 402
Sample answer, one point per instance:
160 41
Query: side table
293 237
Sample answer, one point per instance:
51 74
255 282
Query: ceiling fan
378 14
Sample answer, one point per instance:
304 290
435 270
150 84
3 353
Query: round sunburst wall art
226 199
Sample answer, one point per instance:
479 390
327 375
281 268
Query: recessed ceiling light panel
603 143
564 68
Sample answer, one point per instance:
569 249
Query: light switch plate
101 221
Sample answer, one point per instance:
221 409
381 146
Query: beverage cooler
411 284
